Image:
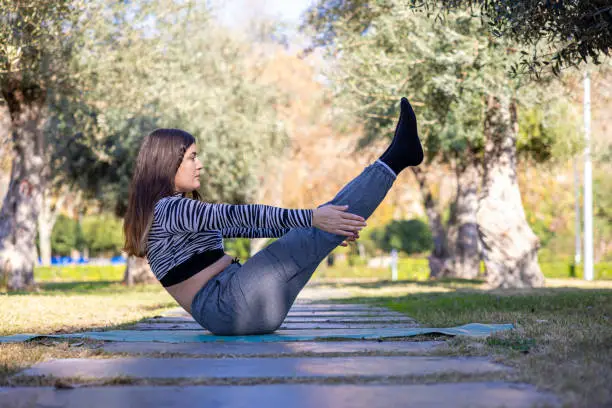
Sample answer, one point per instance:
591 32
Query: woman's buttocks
184 292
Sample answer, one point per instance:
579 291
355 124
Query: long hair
160 155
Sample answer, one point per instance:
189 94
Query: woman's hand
335 219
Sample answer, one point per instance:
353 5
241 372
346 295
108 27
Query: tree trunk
439 256
21 205
463 240
138 271
509 245
46 220
44 241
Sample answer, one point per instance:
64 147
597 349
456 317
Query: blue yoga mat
192 336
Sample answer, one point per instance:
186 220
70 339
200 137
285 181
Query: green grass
563 336
79 273
66 307
417 269
560 270
76 306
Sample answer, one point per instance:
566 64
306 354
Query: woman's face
188 175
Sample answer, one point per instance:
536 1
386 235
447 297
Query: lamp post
588 183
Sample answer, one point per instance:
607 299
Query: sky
235 12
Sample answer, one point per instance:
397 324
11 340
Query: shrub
103 234
65 236
409 236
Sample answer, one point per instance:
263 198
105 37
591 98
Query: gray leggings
255 298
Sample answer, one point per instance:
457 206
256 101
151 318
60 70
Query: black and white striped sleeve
178 214
254 232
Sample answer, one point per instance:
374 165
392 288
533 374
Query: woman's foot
405 149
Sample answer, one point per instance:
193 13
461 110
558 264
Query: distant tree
167 64
458 80
560 33
36 45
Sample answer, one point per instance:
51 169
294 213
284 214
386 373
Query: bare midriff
185 291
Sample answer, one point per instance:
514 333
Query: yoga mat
187 336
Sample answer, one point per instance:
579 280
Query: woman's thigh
246 299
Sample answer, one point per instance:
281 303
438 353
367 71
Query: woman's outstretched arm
254 232
178 214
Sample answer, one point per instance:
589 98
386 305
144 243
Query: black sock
405 149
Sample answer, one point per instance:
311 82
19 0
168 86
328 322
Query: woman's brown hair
161 154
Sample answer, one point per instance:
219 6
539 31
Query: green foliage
408 236
407 269
559 34
37 39
446 68
533 139
65 236
240 247
166 64
103 234
602 206
540 226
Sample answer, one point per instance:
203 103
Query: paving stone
339 313
171 319
217 349
258 367
284 326
321 306
475 394
348 319
323 313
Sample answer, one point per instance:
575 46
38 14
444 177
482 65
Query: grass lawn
78 306
65 307
563 336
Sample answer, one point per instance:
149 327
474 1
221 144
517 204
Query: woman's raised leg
270 281
260 293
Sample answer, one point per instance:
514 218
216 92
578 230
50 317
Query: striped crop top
187 235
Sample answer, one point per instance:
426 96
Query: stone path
301 374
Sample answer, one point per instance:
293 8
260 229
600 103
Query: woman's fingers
349 216
354 217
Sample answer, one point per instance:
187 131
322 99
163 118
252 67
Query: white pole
578 240
394 264
588 183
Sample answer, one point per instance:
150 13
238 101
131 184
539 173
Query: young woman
182 236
